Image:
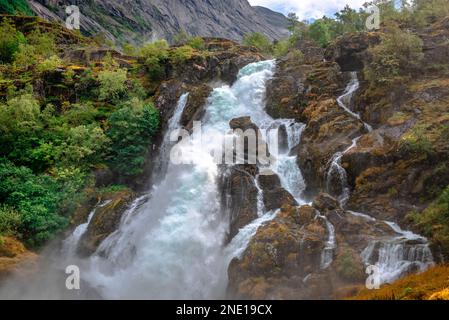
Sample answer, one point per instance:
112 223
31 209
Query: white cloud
308 9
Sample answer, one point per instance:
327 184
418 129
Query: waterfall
170 242
327 256
394 256
344 101
162 160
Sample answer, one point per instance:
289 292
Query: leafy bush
10 221
181 54
399 54
43 43
181 38
281 48
320 33
131 130
417 142
25 57
434 221
196 43
112 84
155 55
259 41
10 40
36 198
49 64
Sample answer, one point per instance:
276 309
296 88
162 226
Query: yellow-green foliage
196 43
155 56
434 221
424 286
416 141
10 40
49 64
181 54
9 221
259 41
398 55
112 84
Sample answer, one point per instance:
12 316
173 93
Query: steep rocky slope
378 174
148 20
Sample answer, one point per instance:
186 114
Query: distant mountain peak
146 20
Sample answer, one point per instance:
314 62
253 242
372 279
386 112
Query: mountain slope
144 20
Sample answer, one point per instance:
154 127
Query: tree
259 41
10 41
293 21
320 33
112 84
131 129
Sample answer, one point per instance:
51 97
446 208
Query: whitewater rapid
170 243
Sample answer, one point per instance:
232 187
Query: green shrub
434 221
25 57
10 221
43 43
49 64
36 198
320 33
181 38
281 48
259 41
155 55
417 142
196 43
10 40
131 130
181 54
399 54
112 84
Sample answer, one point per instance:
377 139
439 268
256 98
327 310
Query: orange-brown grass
432 284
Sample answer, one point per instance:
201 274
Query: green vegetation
417 142
259 41
98 118
434 221
131 130
397 56
10 41
15 7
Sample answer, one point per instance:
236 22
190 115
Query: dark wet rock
278 258
105 221
324 203
239 196
350 50
195 106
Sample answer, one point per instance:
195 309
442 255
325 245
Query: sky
308 9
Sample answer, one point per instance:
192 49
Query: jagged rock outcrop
154 19
284 258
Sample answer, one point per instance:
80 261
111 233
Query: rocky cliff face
385 179
146 20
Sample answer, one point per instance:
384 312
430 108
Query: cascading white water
170 242
335 168
396 255
327 255
344 101
162 160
